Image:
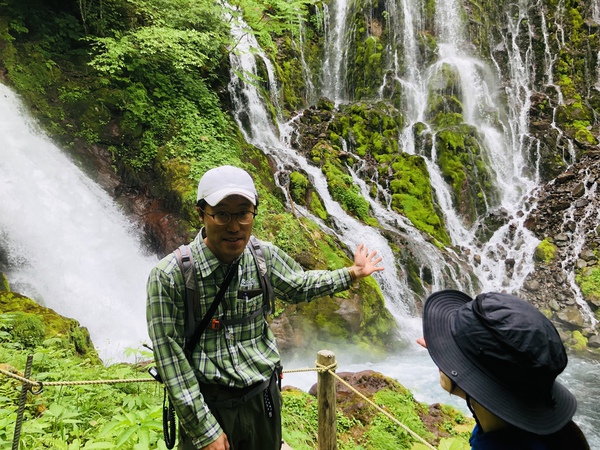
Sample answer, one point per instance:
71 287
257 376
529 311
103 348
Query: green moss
28 315
298 187
412 195
577 341
463 167
589 283
345 191
317 207
545 252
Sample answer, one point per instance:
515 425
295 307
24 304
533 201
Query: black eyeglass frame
229 216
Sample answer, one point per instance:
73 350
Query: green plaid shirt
238 355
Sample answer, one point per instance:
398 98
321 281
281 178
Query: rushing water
505 147
68 245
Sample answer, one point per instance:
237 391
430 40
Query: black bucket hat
504 353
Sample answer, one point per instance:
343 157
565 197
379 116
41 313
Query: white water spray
68 245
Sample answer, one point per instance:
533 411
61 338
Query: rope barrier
383 411
319 368
41 384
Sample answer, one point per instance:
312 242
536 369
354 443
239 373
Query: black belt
237 401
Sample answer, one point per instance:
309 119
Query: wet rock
571 317
594 341
578 190
532 285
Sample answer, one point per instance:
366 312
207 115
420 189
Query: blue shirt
506 439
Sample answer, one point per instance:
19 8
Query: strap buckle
215 324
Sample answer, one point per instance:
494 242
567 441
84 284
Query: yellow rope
306 369
70 383
319 368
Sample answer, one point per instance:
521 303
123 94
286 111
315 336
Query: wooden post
326 399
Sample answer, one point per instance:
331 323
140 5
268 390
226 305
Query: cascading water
65 242
577 239
337 39
259 131
505 147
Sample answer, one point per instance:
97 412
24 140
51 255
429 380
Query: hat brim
216 197
439 312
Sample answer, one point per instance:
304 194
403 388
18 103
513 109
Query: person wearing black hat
502 356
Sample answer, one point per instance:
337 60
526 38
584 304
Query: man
227 398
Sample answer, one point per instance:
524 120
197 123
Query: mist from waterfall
68 244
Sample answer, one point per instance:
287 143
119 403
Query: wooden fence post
326 399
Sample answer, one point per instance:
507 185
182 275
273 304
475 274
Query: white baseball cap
223 181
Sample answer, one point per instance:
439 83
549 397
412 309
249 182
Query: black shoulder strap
193 340
185 261
265 282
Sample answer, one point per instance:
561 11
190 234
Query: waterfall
333 73
66 243
257 127
577 240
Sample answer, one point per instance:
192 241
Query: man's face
228 241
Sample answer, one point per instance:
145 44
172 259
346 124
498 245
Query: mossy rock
4 286
577 341
37 323
545 252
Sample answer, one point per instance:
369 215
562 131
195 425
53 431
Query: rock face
566 216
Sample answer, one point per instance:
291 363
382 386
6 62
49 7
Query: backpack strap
185 261
192 341
265 282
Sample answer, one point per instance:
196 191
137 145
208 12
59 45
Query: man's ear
200 214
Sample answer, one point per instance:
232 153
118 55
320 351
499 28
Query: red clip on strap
215 324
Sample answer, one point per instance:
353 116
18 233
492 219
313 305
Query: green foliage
385 434
272 19
124 416
154 47
300 420
27 330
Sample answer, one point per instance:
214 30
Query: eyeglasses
224 217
